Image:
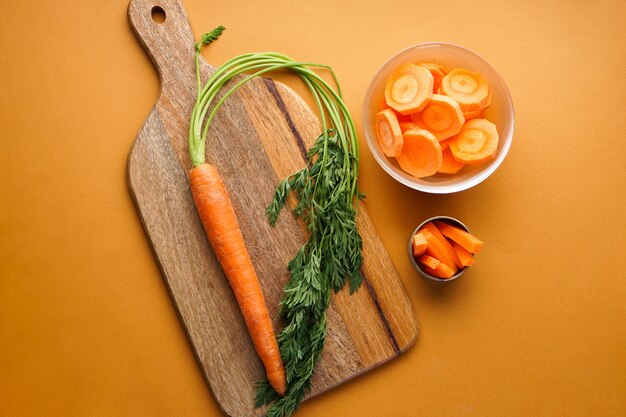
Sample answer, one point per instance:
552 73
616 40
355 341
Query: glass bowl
501 113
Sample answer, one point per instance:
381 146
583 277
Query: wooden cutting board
259 136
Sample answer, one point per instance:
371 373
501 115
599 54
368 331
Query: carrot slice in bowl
421 153
404 126
437 71
409 89
388 133
469 89
477 142
449 164
442 117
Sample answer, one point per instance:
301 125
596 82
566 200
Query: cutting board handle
163 29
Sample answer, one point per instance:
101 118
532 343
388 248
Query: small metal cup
416 265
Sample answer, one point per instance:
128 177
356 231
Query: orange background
536 328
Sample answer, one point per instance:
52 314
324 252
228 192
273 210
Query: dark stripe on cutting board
271 87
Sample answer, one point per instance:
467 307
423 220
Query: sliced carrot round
472 114
477 142
388 133
382 104
421 153
442 117
449 165
437 71
469 89
404 126
409 88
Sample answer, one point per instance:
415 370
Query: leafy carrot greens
326 193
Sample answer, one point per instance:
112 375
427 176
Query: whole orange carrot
222 229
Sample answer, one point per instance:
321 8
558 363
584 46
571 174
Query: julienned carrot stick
222 229
419 244
436 250
444 243
463 238
409 88
465 257
440 271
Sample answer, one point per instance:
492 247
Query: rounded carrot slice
409 88
437 71
388 133
449 164
419 245
421 153
382 105
445 144
472 114
404 126
477 142
469 89
442 117
441 271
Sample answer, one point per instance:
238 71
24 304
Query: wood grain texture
257 138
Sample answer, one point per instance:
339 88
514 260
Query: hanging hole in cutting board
158 14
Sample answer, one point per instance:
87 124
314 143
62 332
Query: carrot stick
463 238
428 261
444 243
419 244
437 250
469 89
465 257
440 271
222 229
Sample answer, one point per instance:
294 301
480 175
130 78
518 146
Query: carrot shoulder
463 238
222 229
465 257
